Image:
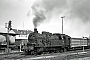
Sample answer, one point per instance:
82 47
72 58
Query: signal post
8 26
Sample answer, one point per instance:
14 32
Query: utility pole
7 41
62 23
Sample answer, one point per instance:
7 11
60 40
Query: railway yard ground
70 55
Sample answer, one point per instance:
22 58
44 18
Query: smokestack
35 30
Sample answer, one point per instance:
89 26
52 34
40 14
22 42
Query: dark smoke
43 9
38 19
39 15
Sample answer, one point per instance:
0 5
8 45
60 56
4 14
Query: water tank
12 39
2 38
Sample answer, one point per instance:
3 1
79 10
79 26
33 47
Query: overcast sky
46 14
16 11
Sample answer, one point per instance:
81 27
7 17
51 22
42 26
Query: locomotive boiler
46 42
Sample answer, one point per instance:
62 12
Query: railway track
4 55
24 56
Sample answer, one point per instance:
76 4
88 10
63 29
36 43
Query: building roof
22 32
13 34
79 38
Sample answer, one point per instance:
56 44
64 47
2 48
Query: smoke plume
39 15
77 13
43 9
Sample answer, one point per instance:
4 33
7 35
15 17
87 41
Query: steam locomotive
48 42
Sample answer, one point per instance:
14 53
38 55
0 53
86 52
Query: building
22 38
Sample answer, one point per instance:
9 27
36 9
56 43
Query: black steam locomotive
46 42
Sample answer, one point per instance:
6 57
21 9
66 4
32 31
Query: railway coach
79 43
